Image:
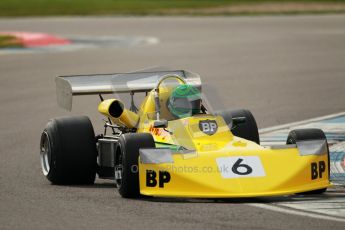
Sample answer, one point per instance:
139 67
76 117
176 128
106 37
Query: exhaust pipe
114 109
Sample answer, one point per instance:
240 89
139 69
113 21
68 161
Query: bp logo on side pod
208 127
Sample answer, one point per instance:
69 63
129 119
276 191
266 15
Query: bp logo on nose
208 127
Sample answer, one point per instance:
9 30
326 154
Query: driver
184 101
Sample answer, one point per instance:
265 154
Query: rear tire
307 134
248 130
126 163
68 151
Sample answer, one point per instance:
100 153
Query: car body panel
200 174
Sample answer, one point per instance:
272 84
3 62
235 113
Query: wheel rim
45 153
118 172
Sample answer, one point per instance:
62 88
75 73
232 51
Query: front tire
68 151
126 163
307 134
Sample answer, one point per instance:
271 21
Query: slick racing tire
307 134
68 151
126 162
248 130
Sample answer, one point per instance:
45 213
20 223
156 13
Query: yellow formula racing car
174 144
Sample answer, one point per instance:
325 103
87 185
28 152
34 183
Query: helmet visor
184 107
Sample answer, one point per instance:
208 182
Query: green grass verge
7 41
127 7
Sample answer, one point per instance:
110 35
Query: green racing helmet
184 101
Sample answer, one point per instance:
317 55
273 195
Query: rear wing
69 86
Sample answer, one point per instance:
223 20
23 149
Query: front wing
234 173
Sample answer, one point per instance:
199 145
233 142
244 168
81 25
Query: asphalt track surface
284 69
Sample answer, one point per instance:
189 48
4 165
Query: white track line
285 126
296 212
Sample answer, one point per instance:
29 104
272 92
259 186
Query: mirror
238 120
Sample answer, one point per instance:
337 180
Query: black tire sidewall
129 145
73 150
